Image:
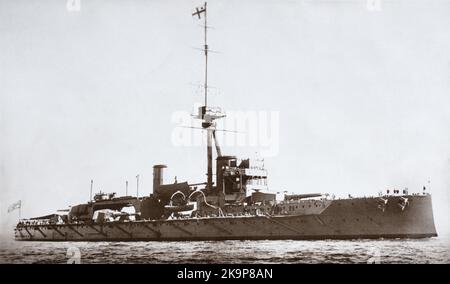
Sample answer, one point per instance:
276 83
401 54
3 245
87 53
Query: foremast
207 114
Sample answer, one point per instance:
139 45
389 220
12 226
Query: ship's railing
27 222
32 223
380 195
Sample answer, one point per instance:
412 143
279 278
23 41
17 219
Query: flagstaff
14 206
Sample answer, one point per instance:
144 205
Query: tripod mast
207 115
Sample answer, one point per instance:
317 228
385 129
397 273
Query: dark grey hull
357 218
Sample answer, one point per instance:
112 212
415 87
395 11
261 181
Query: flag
199 11
15 206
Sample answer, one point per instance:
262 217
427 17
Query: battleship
235 205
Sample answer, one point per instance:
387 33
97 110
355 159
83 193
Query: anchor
382 203
403 202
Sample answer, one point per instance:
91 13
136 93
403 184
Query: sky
356 96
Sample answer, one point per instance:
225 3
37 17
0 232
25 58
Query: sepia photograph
224 132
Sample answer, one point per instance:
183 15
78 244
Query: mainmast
208 114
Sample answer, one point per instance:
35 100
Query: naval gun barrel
301 196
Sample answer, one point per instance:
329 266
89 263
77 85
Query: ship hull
340 219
